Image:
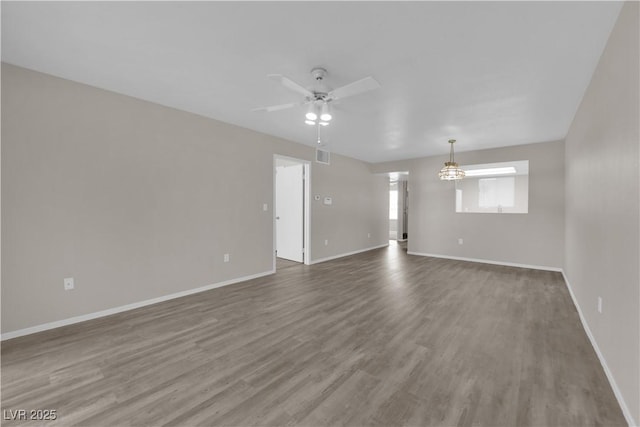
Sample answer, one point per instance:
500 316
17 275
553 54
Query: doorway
291 211
398 206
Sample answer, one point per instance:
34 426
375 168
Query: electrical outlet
600 305
226 257
265 207
68 284
369 235
460 241
326 242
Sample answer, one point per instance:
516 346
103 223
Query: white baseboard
110 311
487 261
317 261
603 362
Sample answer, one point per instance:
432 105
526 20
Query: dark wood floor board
379 338
284 263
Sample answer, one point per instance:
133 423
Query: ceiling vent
322 156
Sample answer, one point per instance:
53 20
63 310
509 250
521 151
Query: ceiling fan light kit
312 116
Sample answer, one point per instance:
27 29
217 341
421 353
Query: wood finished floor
379 338
285 263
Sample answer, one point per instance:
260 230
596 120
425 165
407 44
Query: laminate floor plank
380 338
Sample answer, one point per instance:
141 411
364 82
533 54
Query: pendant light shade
451 171
311 113
326 115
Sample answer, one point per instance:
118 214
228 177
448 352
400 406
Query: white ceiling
489 74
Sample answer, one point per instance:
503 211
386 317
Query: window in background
393 204
494 188
496 192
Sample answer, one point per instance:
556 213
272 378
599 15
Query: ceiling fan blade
359 86
278 107
290 84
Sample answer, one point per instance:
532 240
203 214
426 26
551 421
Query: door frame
306 214
395 176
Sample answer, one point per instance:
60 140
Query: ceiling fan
319 97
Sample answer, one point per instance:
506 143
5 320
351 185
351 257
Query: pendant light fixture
451 170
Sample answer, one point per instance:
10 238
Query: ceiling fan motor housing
319 73
319 96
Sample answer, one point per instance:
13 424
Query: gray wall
360 205
137 201
602 207
536 238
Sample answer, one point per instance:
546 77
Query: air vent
323 156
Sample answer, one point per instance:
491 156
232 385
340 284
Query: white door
289 212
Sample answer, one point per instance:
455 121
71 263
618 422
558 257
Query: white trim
487 261
307 213
329 258
603 362
114 310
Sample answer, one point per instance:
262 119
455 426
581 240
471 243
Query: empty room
320 213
